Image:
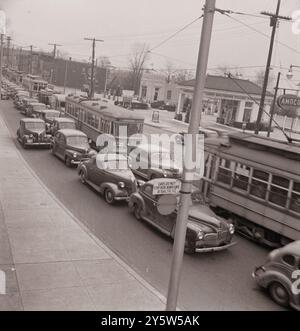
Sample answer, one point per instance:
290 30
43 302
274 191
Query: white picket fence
288 123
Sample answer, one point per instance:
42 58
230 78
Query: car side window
289 259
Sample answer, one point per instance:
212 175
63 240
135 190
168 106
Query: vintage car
24 102
60 123
18 98
47 115
32 132
110 175
280 275
32 107
72 146
4 94
206 231
153 161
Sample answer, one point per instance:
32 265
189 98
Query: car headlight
231 229
200 235
121 185
75 155
165 174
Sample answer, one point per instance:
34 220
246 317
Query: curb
113 255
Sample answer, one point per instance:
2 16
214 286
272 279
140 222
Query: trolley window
295 198
259 184
279 192
225 171
241 177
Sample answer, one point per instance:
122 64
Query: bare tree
137 61
260 76
183 75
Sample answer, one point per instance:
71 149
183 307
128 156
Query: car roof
31 120
152 148
72 132
64 119
47 110
292 248
37 103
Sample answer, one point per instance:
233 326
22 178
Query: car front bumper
214 249
78 161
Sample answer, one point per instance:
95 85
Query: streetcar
34 84
255 181
95 117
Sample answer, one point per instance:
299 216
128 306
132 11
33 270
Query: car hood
123 175
79 149
203 218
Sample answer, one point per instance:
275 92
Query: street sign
166 204
288 101
162 186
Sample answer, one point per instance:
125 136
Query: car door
150 202
93 171
288 265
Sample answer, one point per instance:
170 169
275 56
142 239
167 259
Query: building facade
233 101
156 87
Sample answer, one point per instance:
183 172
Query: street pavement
215 281
51 261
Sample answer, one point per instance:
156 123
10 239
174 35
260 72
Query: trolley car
255 181
95 117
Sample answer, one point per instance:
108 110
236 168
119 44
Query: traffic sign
166 204
162 186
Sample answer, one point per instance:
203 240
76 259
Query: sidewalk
51 262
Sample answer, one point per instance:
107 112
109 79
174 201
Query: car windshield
78 141
66 125
35 126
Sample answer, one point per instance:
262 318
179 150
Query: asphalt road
210 281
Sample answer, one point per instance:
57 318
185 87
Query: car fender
136 198
267 278
69 152
111 186
82 167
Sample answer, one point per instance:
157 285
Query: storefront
232 101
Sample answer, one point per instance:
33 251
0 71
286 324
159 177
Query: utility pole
1 58
31 59
8 39
273 23
273 105
190 154
20 59
93 64
66 74
55 45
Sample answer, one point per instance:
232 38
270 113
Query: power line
176 33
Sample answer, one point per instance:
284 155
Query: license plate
30 141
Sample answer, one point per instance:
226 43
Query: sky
121 24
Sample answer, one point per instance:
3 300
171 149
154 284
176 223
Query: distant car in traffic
4 94
47 115
24 102
110 175
205 230
32 107
32 132
276 275
60 123
72 146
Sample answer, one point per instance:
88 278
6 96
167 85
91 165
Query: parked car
154 162
24 104
47 115
276 275
163 106
32 132
110 175
72 146
32 107
60 123
205 230
4 94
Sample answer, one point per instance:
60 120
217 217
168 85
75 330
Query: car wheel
279 294
189 247
24 144
109 196
68 162
137 211
82 177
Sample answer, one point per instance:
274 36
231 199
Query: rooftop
222 83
